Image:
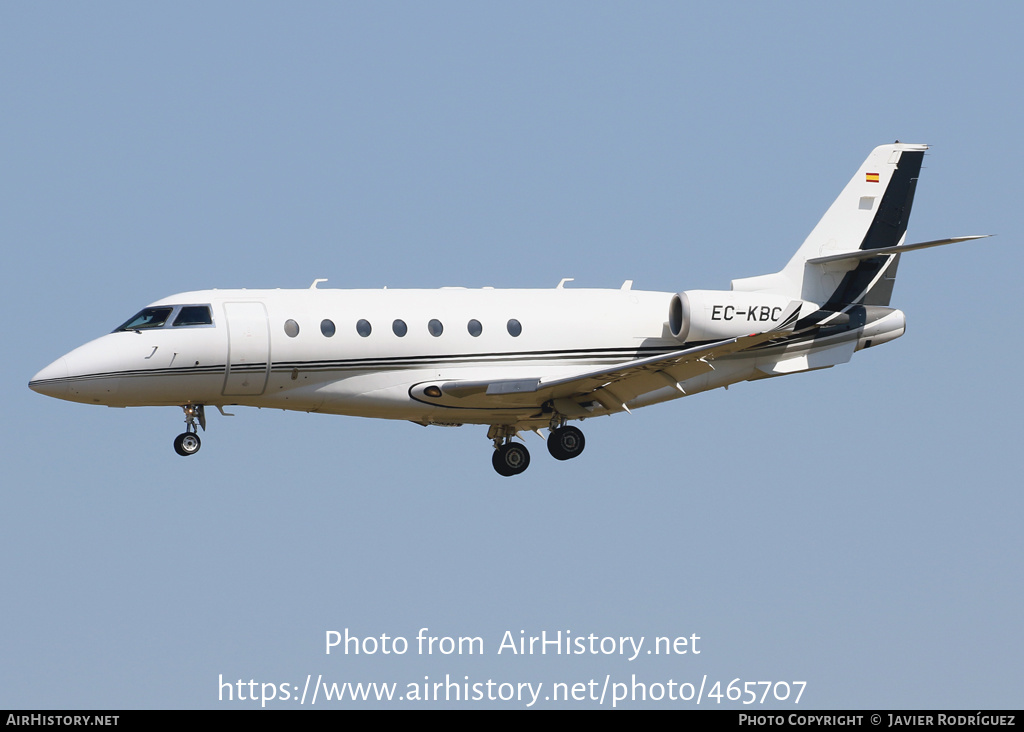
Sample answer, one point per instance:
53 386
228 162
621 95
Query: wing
612 386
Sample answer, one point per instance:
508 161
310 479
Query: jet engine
710 315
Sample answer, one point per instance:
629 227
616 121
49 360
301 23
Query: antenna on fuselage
317 282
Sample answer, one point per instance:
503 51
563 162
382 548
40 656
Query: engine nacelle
711 315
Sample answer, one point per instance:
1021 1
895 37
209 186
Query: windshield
148 318
194 315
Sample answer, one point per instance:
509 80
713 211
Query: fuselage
355 352
364 352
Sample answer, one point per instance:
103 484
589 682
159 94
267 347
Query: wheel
511 459
566 443
498 461
187 443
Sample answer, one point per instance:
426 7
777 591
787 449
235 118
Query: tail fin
871 213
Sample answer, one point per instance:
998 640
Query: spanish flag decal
872 177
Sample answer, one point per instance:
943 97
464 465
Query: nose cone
53 380
89 374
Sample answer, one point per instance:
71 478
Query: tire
565 443
510 459
187 443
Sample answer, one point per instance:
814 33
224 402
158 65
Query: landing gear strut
188 442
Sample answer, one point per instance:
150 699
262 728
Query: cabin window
400 328
474 328
435 328
515 328
194 315
327 328
148 318
291 328
363 328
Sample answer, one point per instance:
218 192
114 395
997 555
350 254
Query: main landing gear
512 458
188 442
509 458
565 443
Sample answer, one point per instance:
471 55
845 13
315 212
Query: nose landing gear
188 442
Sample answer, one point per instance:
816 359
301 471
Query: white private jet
515 360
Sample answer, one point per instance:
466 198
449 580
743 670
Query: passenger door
248 363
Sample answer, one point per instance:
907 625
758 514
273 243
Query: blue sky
862 536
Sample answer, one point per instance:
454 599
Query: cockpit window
148 318
194 315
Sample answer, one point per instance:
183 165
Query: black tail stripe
886 230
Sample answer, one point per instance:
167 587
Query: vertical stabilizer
871 213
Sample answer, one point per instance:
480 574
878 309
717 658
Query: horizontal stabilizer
869 253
